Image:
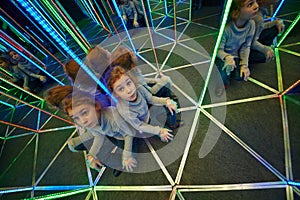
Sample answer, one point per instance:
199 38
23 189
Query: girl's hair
66 97
123 57
235 9
6 61
113 75
71 69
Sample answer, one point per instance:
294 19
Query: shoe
178 124
116 173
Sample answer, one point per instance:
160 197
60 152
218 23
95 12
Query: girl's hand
244 71
124 18
129 163
269 54
165 135
172 106
229 64
93 162
280 26
135 24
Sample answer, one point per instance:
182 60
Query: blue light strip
124 25
49 29
58 28
7 104
24 36
100 11
52 42
293 183
277 9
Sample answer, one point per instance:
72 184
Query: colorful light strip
278 8
41 31
288 30
215 51
68 24
13 47
124 25
42 46
49 29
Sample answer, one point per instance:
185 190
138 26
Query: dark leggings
266 38
235 74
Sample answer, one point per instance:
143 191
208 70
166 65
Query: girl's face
125 89
249 10
85 115
14 55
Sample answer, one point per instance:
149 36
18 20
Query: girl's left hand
244 71
172 106
135 24
280 26
129 163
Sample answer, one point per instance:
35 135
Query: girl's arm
128 162
221 52
245 48
97 144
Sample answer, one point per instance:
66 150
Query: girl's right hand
94 163
165 135
229 64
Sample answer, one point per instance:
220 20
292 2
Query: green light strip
57 15
73 25
62 194
290 45
279 73
289 51
45 18
215 52
21 89
263 85
288 30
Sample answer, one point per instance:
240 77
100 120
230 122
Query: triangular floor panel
261 194
290 69
17 162
293 116
67 169
222 165
266 138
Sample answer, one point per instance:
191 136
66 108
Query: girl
265 33
24 70
133 103
129 13
235 45
96 123
98 59
125 58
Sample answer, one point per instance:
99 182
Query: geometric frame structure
196 107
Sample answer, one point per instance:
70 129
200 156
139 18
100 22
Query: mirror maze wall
243 144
